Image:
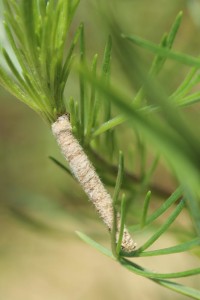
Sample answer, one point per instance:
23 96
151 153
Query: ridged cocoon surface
85 173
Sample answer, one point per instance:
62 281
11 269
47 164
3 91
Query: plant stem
85 173
129 178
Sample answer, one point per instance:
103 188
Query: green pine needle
39 46
179 57
164 227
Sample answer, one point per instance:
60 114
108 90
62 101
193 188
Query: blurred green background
41 206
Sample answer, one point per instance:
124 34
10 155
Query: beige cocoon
85 173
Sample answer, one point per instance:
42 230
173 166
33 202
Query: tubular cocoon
85 173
